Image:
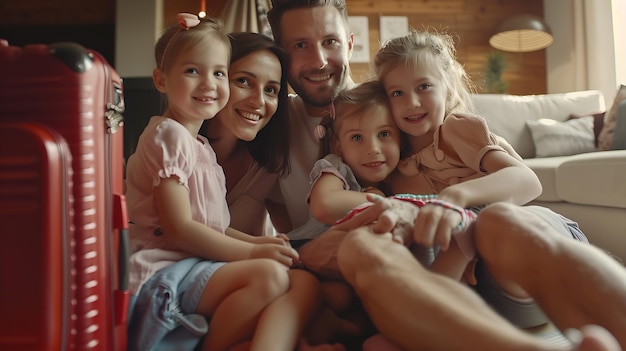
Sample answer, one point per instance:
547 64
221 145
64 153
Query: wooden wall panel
471 22
402 7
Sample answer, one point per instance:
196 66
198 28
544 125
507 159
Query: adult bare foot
593 338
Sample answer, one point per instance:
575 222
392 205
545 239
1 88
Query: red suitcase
63 216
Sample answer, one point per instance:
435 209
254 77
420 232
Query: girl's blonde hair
435 50
361 97
177 39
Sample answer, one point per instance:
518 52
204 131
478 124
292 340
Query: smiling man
317 38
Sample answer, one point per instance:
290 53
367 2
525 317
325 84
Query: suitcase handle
121 294
121 223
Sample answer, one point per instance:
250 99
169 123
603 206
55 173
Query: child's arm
508 179
329 201
173 206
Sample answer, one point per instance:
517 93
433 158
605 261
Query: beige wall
134 42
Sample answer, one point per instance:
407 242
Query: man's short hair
279 7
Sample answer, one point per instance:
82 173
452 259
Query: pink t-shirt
165 149
466 140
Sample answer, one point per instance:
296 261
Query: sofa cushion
595 178
506 115
545 169
554 138
605 140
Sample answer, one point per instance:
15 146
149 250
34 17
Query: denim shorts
162 316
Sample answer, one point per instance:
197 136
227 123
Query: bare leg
328 324
451 263
575 283
235 297
337 294
283 321
417 309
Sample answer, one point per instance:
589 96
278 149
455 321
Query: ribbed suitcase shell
73 93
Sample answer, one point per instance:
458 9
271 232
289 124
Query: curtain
247 16
594 47
583 54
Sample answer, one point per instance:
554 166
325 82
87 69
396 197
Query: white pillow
554 138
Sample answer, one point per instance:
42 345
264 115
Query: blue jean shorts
162 317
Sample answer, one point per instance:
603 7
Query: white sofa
590 187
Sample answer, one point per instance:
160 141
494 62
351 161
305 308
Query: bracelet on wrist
461 233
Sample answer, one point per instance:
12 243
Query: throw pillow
598 123
555 138
605 140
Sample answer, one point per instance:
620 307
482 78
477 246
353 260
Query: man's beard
315 99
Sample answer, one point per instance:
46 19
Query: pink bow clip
187 20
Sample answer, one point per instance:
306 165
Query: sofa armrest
595 178
619 136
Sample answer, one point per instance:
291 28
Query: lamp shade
522 33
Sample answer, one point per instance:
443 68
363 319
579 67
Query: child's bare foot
304 346
593 338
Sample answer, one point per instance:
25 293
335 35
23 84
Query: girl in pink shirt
187 264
